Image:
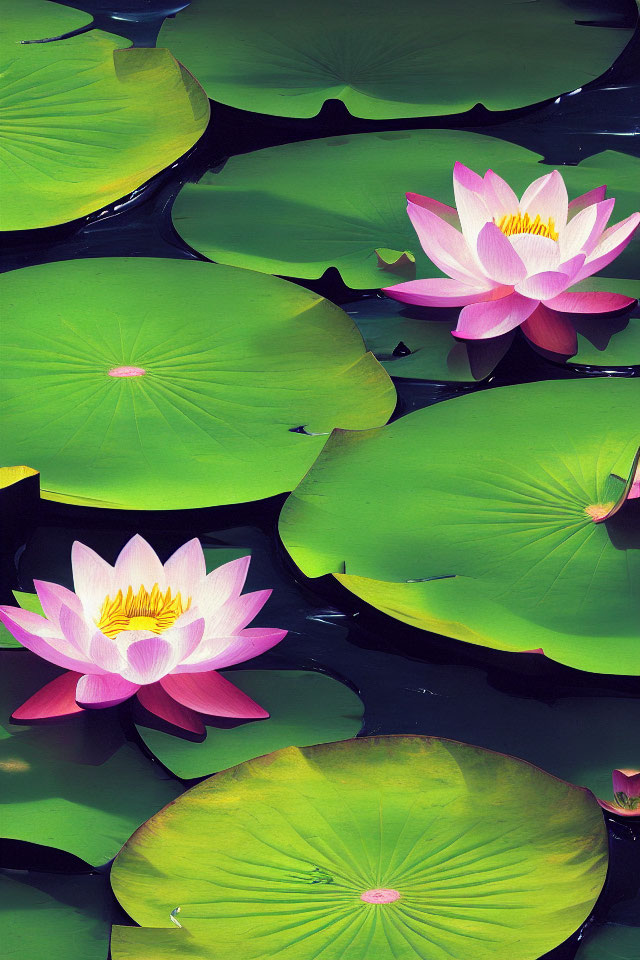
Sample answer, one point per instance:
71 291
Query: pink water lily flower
159 632
510 262
626 794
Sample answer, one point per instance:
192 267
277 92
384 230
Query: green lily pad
478 526
85 123
75 784
487 857
611 942
298 209
409 59
230 363
54 916
305 708
416 342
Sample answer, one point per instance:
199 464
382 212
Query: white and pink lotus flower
511 262
159 632
626 794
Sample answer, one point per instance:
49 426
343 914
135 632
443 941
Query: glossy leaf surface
296 210
480 526
408 59
83 122
489 856
231 362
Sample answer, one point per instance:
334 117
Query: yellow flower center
513 223
155 611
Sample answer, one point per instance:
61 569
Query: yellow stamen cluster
154 611
517 223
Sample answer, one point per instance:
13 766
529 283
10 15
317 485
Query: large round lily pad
474 518
77 784
54 916
304 708
456 851
83 122
296 210
228 363
407 59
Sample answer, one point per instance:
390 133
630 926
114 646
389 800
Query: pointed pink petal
442 210
551 331
52 596
251 643
54 649
498 257
103 691
138 565
31 622
480 321
76 630
184 638
55 699
441 292
105 653
445 246
211 694
467 178
543 286
634 492
498 195
584 231
469 188
222 584
236 614
627 781
586 199
547 197
612 242
149 658
572 267
157 701
92 577
538 253
589 302
186 569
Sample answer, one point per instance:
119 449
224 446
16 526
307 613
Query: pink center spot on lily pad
380 896
127 372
